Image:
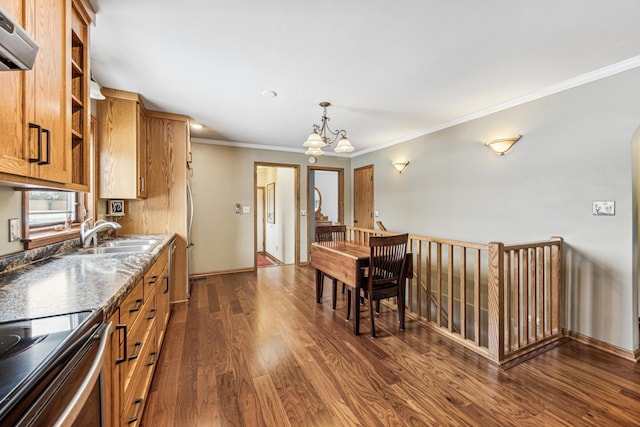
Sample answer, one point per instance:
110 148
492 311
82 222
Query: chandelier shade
314 141
322 136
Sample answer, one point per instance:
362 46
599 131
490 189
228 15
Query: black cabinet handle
137 345
152 314
153 280
124 357
166 286
48 161
135 417
138 306
36 159
153 358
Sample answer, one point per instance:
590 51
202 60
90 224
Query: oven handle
71 411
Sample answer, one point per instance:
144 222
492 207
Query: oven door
75 396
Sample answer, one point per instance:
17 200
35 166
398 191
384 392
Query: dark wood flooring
253 349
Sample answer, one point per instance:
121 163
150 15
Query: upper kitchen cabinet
35 106
122 145
78 96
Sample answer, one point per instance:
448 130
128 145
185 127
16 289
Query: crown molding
599 74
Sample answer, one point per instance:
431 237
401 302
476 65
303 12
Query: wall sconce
503 145
400 166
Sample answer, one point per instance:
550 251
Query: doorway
363 197
325 202
276 223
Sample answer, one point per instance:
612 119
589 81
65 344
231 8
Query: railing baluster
439 283
463 292
507 300
517 299
477 307
450 290
427 272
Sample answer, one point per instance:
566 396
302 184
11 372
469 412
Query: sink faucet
87 234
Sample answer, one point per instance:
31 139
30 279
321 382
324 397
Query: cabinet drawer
141 339
135 395
131 307
151 279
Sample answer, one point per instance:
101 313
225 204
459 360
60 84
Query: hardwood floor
253 349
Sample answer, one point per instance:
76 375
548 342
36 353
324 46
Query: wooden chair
385 277
331 233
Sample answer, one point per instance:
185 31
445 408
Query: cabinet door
46 89
123 146
14 156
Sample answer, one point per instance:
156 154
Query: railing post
496 304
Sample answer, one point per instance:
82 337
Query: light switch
377 214
246 209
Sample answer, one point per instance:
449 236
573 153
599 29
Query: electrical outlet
14 229
303 212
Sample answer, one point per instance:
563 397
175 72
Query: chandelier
322 136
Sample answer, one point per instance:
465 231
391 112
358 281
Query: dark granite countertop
69 282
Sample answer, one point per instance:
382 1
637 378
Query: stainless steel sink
121 246
128 242
115 249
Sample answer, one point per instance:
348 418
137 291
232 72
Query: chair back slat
388 255
331 233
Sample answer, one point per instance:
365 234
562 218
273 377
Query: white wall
576 149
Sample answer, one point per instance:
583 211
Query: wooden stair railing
501 301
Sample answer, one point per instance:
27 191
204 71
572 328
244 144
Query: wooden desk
342 260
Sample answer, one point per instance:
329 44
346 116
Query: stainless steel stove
36 357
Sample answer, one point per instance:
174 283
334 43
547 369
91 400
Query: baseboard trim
273 258
633 356
201 276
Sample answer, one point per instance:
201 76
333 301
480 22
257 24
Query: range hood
17 49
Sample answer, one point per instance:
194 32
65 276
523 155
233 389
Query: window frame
42 235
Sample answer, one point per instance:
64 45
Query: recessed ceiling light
196 126
269 93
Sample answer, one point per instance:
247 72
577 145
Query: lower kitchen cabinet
141 321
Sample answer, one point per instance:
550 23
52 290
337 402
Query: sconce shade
400 166
503 145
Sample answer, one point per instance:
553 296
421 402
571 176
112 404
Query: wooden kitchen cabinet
123 146
141 321
35 107
79 101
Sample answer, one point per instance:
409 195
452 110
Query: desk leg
318 286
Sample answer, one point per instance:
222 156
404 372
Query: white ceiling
391 69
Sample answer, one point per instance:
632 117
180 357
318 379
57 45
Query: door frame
296 197
310 214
